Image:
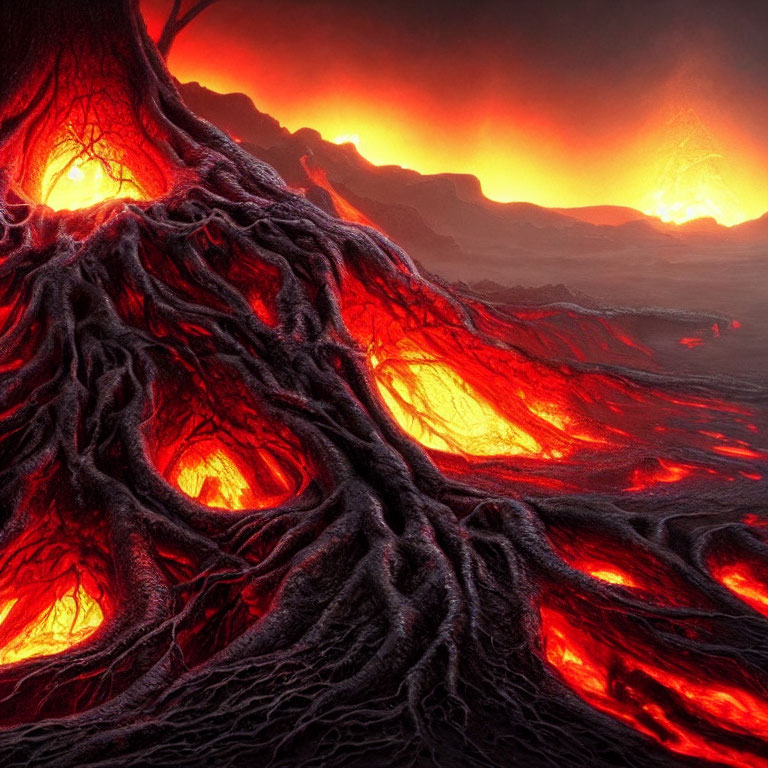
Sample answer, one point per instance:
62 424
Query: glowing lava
659 471
78 178
209 474
213 479
606 572
738 577
343 207
435 406
470 400
627 686
70 620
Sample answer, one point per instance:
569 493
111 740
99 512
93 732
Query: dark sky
452 81
622 43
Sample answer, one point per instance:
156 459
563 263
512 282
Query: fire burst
691 184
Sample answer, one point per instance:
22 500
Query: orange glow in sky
533 144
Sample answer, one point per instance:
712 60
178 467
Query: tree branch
169 32
194 12
176 24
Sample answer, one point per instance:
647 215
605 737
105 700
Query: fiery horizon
537 144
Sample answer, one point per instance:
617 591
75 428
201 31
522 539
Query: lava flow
669 698
657 696
70 620
473 400
742 571
740 579
342 206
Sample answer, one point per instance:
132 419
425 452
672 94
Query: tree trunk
222 464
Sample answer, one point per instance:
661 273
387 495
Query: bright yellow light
692 184
75 179
680 206
745 586
348 138
81 183
611 577
436 407
213 479
73 618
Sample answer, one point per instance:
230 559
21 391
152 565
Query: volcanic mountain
616 255
445 221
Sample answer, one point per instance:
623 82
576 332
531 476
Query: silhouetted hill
604 215
615 254
444 220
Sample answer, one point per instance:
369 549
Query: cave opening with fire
275 494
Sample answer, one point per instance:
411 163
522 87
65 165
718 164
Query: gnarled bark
392 608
